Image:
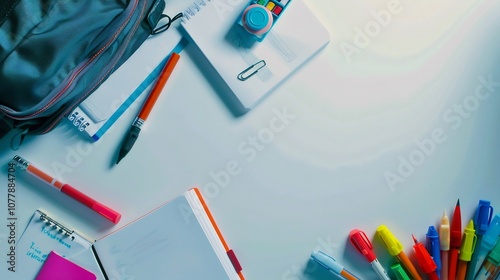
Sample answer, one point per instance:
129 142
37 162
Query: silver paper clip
244 75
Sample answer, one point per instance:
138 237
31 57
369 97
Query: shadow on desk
217 83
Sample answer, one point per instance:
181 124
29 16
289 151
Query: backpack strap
6 6
6 125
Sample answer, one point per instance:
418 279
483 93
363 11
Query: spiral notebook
178 240
231 51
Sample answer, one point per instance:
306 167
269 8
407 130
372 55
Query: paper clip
244 75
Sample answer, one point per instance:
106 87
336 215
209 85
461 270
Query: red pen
455 241
100 208
425 260
361 242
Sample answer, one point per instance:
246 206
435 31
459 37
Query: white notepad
98 112
178 240
296 37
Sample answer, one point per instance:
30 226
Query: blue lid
483 216
257 18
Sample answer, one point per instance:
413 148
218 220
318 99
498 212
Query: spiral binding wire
56 225
193 9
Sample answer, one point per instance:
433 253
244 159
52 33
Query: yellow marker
468 244
395 248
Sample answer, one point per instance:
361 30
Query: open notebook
233 53
178 240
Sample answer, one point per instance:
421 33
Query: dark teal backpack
55 53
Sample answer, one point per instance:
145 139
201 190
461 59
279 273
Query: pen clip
244 75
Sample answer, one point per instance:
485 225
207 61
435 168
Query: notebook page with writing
294 39
43 235
167 242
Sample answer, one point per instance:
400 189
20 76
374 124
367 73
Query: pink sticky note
57 267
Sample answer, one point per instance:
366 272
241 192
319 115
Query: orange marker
395 248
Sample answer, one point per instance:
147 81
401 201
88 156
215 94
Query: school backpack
55 53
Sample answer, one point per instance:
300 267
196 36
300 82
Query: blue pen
433 247
330 264
482 220
489 240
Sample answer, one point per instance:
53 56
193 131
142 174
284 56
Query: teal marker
488 241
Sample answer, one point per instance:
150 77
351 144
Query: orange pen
135 129
395 248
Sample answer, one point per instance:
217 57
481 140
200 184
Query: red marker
361 242
100 208
425 260
455 241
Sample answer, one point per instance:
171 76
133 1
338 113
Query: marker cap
444 233
491 235
468 242
361 242
483 216
494 256
424 259
107 212
327 262
390 242
399 272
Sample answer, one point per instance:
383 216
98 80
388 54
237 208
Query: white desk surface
402 103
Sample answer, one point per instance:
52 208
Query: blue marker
330 264
433 247
488 241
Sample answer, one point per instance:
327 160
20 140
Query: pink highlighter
86 200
